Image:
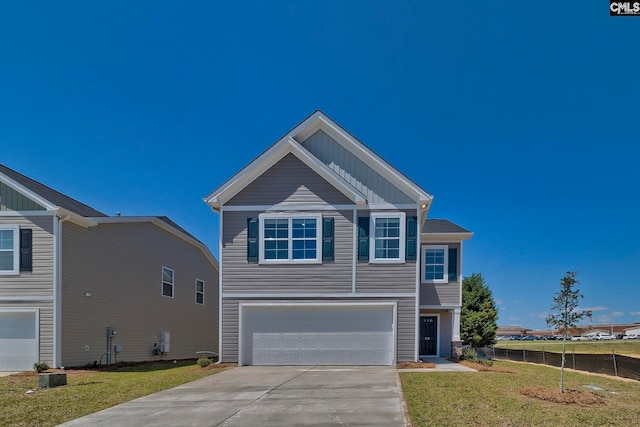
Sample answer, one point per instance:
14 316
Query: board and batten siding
444 294
240 276
39 281
376 188
11 200
405 326
112 277
289 182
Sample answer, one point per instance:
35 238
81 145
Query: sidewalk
442 365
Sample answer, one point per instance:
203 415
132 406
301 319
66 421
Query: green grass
626 347
87 392
494 399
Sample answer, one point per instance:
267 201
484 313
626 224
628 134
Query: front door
428 335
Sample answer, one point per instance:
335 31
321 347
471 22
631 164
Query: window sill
387 261
301 262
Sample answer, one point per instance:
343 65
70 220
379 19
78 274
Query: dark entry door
429 336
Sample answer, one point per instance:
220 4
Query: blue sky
521 118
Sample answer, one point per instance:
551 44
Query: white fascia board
268 159
444 237
80 220
165 226
28 193
320 121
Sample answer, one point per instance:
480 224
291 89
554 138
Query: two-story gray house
327 258
78 286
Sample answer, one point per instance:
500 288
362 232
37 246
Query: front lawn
88 391
494 398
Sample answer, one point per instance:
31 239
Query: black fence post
615 365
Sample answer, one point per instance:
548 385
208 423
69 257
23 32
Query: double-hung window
199 291
9 259
387 237
290 238
167 282
435 264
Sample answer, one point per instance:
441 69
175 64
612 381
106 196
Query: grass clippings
416 365
575 397
484 368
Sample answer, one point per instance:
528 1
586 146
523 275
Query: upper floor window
439 264
199 291
290 238
167 282
9 260
387 239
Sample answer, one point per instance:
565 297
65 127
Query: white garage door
18 340
317 334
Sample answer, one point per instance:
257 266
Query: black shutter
26 250
252 240
363 238
327 239
412 235
453 264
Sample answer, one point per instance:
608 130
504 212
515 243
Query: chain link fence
610 364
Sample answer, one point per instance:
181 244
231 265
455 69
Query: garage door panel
18 341
318 335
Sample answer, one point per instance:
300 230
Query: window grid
167 282
199 291
9 250
290 239
435 264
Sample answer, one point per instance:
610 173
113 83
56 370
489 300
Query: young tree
565 304
479 316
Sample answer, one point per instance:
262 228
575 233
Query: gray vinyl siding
39 281
120 266
11 200
289 182
445 294
406 321
239 276
376 188
385 277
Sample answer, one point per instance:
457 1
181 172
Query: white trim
220 249
455 324
416 334
314 207
290 217
354 251
438 337
269 158
15 229
25 213
460 275
35 311
445 273
402 217
392 304
196 291
28 193
318 295
439 307
173 282
31 298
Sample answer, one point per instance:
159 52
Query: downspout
57 288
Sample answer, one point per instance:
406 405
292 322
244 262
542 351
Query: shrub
40 366
204 362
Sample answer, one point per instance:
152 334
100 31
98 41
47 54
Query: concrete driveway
268 396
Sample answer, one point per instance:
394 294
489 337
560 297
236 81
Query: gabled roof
291 143
46 196
443 230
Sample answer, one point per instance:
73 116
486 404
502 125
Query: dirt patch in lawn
484 368
416 365
573 397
